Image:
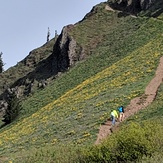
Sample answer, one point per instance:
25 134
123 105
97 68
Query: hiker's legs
113 120
121 116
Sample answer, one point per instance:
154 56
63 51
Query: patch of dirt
3 159
136 104
107 7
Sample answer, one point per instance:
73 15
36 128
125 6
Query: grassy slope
72 111
153 112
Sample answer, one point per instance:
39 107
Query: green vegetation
153 112
131 143
13 109
140 138
60 122
1 63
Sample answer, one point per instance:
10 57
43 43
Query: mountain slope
121 57
42 65
136 104
65 119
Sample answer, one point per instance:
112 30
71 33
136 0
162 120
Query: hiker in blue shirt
121 113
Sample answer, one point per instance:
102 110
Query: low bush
132 143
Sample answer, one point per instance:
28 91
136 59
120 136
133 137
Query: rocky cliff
134 6
65 52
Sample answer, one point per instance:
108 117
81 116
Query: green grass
70 110
139 136
153 112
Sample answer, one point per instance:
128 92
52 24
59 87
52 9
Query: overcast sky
24 23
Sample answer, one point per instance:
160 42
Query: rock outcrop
65 52
132 6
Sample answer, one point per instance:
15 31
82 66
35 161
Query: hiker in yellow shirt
114 116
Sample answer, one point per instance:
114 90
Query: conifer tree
13 109
56 34
1 63
48 34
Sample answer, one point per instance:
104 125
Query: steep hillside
46 63
20 74
113 57
136 104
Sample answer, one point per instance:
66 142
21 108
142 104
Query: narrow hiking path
137 103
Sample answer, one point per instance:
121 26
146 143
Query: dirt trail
137 103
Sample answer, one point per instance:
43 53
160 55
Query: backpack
121 109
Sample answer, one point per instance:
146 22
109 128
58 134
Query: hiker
121 113
114 116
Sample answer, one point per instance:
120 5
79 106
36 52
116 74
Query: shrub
132 143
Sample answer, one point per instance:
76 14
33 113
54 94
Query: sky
24 24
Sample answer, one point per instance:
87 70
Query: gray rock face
145 4
133 6
65 52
